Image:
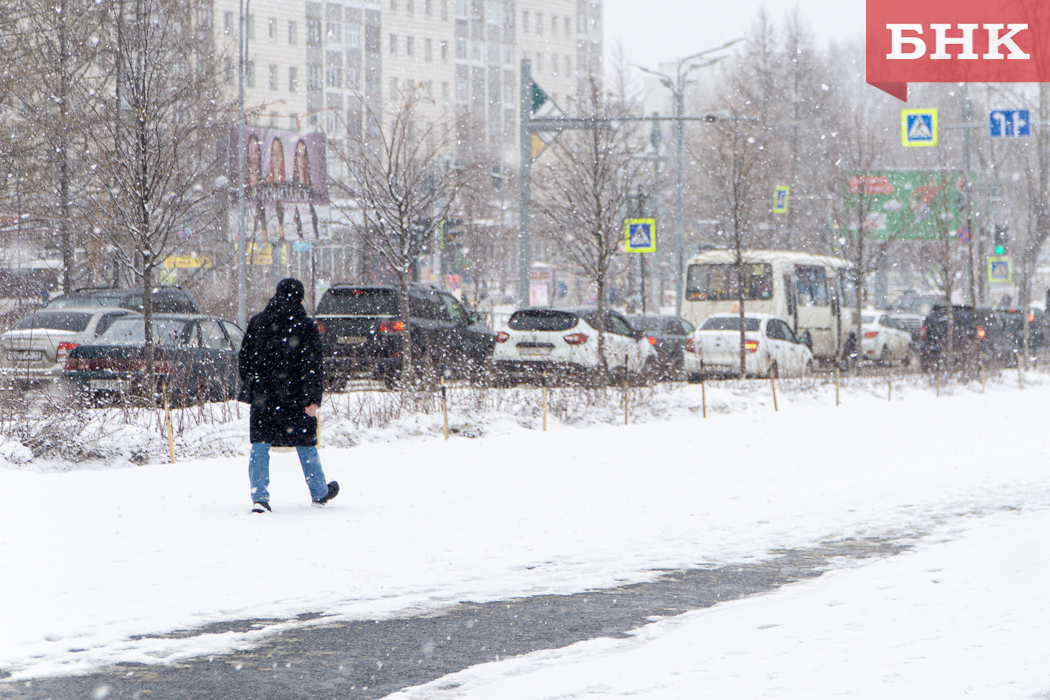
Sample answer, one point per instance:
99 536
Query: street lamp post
242 294
677 86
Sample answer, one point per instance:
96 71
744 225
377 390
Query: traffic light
1000 241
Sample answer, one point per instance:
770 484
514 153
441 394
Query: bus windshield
719 282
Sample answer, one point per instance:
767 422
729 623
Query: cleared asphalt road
371 659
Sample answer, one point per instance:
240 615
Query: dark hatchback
977 334
668 334
195 356
362 329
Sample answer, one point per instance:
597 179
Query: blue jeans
259 472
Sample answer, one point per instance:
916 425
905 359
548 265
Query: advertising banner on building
908 205
286 182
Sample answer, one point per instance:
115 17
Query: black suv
976 334
361 332
1013 320
166 299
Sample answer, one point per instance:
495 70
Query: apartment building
341 65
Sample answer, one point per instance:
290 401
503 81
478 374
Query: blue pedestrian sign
1009 123
919 127
640 235
1000 270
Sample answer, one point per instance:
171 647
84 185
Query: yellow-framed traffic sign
640 235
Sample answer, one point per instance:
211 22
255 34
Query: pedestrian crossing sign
919 127
1000 270
640 236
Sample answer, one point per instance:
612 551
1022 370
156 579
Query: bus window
812 285
719 282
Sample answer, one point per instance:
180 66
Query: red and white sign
956 41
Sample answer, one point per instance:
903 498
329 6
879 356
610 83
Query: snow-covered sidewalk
92 559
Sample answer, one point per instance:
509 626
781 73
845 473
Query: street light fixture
677 85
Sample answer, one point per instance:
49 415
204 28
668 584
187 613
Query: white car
770 347
36 349
564 342
883 338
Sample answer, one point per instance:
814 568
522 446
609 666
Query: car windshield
359 302
867 319
729 323
541 320
166 331
55 320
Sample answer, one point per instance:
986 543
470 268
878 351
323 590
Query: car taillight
72 365
750 346
871 334
922 332
63 350
1031 317
392 327
652 340
320 326
690 346
502 337
980 332
576 338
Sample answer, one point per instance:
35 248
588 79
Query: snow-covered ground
95 558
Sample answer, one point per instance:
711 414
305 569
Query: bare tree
942 260
401 181
583 188
735 174
160 141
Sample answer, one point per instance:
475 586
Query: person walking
282 377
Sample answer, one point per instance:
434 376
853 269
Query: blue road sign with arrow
1009 123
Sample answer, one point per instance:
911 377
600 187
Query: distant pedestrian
282 376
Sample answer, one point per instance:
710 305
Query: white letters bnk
918 47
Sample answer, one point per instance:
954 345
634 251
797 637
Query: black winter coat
282 372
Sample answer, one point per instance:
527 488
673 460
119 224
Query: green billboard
909 205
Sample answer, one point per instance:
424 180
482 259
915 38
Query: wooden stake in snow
836 384
444 405
625 414
703 390
543 383
889 383
772 383
167 419
1020 379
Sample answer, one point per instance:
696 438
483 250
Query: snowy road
422 524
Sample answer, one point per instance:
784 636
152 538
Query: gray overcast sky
652 31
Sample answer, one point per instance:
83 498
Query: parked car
883 339
913 302
977 335
1013 323
166 299
564 343
362 329
669 334
195 356
909 322
770 348
36 348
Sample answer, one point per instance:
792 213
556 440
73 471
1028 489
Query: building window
393 44
525 21
293 79
428 49
353 80
313 76
493 54
475 50
539 24
581 24
334 77
493 12
444 10
461 88
554 25
332 33
568 25
444 50
206 16
428 89
410 45
410 7
273 77
313 32
427 10
271 29
249 73
444 92
393 88
393 5
554 64
228 72
249 22
353 35
461 8
227 23
292 38
461 49
568 66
